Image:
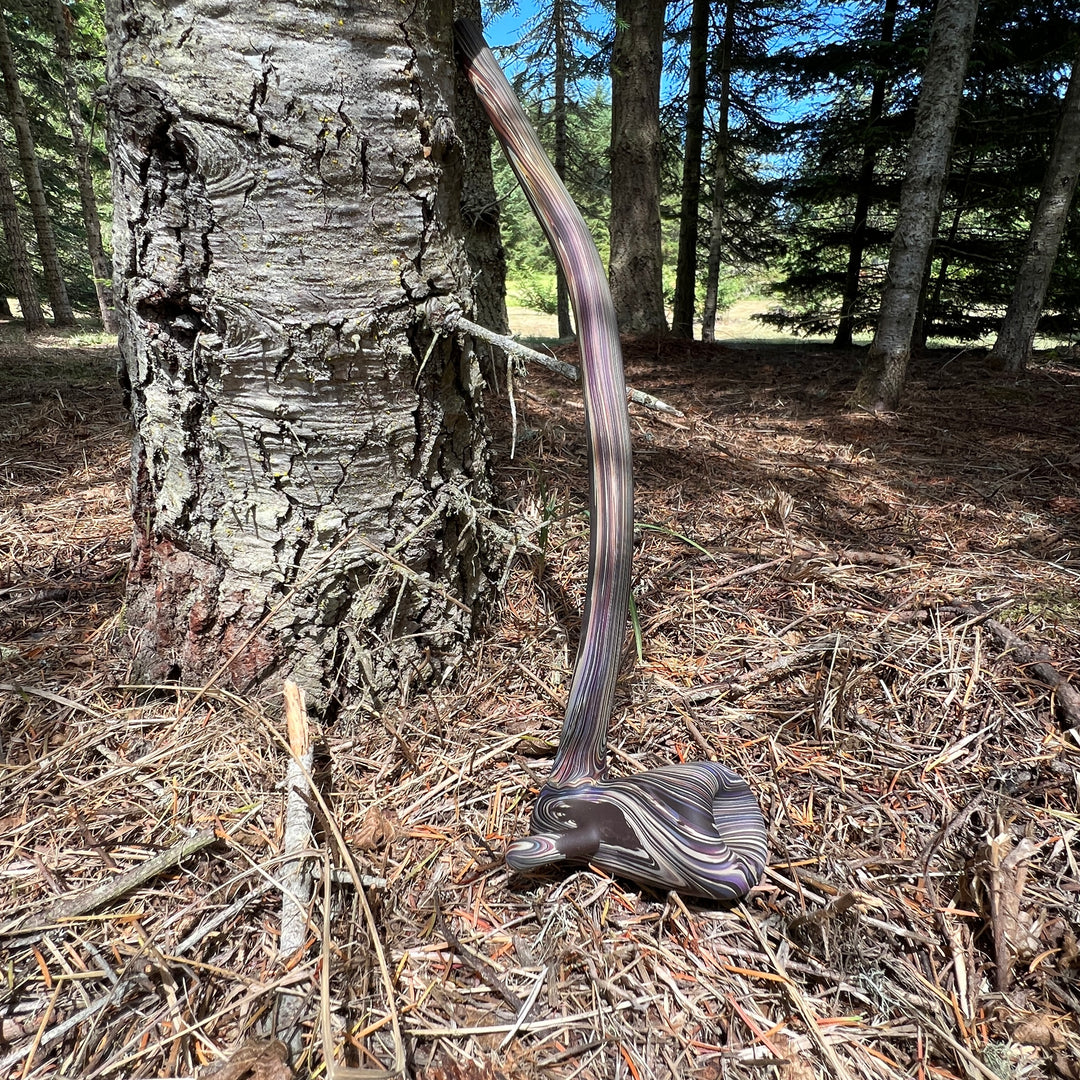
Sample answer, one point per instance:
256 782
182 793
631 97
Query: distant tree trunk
22 273
636 263
720 175
1012 349
35 192
100 264
562 52
920 200
683 308
480 209
930 304
309 455
865 189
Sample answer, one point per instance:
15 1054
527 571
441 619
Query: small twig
409 573
41 1029
1065 696
480 966
454 321
69 907
798 999
205 929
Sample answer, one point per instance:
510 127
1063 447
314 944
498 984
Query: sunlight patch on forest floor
817 591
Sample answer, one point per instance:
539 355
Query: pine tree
43 225
865 185
635 266
1011 99
920 201
556 51
682 317
100 264
1017 335
295 416
22 273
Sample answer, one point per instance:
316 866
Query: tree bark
927 320
636 260
308 457
1015 339
480 208
720 175
100 264
22 273
35 192
920 201
560 29
682 316
864 197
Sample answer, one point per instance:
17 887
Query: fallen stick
451 320
68 907
295 878
1065 696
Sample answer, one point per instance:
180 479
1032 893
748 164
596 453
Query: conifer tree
920 201
22 273
100 263
1012 348
43 226
636 262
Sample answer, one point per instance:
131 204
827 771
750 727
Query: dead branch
451 320
295 877
68 907
1066 698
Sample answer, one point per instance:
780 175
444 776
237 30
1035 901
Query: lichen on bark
307 456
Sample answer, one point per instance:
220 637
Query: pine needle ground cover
875 619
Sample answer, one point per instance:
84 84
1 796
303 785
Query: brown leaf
1006 867
1036 1031
258 1059
376 831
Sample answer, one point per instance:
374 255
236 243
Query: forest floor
864 615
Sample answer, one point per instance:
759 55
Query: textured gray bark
479 205
35 192
1012 349
100 264
636 261
920 202
685 302
22 273
308 459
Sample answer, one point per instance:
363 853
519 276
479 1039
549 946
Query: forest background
872 614
805 114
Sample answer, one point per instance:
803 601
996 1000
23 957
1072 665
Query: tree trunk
920 200
720 174
22 273
308 456
865 191
100 264
636 261
35 192
480 209
930 303
682 317
1012 349
562 50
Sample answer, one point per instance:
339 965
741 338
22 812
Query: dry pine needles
824 599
